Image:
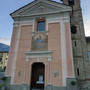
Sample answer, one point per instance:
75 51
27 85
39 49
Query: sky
9 6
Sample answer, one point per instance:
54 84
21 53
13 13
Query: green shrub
1 85
4 68
3 78
73 83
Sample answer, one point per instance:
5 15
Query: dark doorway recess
37 77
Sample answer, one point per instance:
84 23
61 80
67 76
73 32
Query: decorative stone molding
27 59
15 25
38 59
66 19
33 33
49 58
46 32
38 54
50 8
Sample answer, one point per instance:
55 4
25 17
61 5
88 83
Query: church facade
48 48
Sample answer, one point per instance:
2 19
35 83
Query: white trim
63 53
66 19
57 19
15 25
49 59
24 74
50 73
71 50
51 20
27 59
46 13
25 22
38 54
13 67
46 25
71 77
33 52
33 29
49 3
27 73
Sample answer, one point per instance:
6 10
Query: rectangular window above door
41 26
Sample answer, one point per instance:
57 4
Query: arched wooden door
37 77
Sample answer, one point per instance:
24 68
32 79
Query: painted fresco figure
39 39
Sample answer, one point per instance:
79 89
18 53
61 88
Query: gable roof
32 8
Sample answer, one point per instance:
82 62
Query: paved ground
2 74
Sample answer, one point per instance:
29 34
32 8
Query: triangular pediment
41 7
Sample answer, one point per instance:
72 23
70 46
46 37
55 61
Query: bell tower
81 62
71 2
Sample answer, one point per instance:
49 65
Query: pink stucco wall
54 45
12 51
24 45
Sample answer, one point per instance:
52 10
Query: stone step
37 89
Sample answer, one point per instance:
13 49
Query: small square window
40 77
71 2
1 54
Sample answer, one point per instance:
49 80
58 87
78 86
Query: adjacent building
48 47
88 46
4 52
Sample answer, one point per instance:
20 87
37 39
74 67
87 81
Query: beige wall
4 58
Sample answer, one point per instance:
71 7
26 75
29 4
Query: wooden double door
37 77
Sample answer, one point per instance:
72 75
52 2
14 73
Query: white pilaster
26 71
68 21
63 52
49 61
14 54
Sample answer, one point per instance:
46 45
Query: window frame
71 2
40 20
0 59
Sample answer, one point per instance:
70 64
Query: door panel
37 79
